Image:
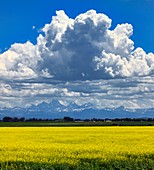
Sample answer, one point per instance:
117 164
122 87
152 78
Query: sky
17 18
84 51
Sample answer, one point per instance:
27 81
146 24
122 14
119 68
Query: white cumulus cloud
80 59
84 48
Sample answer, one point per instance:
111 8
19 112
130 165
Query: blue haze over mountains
55 110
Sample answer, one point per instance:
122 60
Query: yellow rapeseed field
76 147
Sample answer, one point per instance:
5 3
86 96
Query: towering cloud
86 48
83 48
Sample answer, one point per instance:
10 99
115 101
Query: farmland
75 123
79 148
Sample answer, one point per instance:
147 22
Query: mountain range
55 110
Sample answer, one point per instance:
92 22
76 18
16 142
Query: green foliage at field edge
131 163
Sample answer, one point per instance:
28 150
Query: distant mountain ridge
55 109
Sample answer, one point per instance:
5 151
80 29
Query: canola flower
76 147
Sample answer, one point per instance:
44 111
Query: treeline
22 119
69 119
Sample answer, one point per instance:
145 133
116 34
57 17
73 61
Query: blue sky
101 56
18 17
